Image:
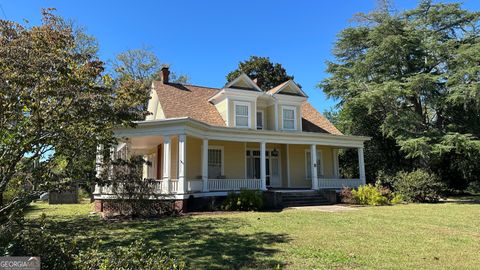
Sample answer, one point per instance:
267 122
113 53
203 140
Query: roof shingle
191 101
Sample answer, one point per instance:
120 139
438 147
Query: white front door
275 171
272 166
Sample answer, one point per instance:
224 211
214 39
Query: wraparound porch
184 164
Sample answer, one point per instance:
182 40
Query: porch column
166 164
361 166
263 166
182 158
205 166
336 170
313 165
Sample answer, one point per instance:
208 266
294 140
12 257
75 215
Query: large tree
57 106
268 74
142 65
411 81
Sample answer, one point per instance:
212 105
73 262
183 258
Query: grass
413 236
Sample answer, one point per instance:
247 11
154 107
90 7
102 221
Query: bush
135 256
346 196
246 200
419 186
369 195
397 198
60 252
55 252
473 188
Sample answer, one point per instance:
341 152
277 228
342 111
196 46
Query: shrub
473 188
246 200
135 256
419 186
346 196
397 198
369 195
55 252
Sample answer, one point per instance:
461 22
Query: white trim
276 114
361 165
288 166
319 156
294 109
293 85
245 153
249 113
189 126
182 163
263 119
222 152
204 161
263 170
245 77
228 111
336 167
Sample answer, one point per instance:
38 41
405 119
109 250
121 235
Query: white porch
203 162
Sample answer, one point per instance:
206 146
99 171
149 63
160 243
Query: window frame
319 157
294 109
222 157
249 113
263 119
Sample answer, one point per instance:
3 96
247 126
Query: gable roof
179 100
243 82
313 121
291 84
192 101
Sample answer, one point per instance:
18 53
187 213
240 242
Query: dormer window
289 117
242 114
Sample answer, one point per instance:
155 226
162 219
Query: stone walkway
326 208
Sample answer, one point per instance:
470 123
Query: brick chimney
164 72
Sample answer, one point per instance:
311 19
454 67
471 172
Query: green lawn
414 236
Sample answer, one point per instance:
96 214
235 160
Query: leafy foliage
136 196
268 74
410 80
135 256
246 200
369 195
60 252
142 65
57 106
419 186
55 252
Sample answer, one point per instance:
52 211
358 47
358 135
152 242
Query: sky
206 39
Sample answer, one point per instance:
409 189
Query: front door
274 163
272 167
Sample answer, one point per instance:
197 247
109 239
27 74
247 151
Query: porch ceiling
157 128
146 142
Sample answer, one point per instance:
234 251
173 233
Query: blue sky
207 39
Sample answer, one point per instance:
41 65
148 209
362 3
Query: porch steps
303 199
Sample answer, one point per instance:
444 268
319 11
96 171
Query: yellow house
204 141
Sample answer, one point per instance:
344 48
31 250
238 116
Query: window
242 114
215 163
259 119
308 165
289 118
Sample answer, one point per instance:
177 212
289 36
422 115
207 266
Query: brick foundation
112 207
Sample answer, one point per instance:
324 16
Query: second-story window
259 119
242 114
289 118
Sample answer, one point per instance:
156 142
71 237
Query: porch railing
338 183
194 185
233 184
